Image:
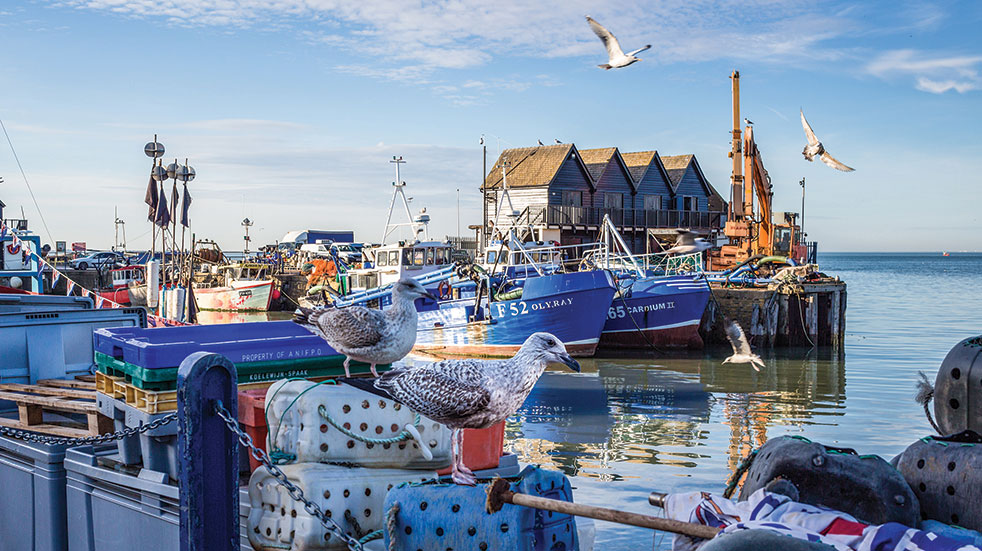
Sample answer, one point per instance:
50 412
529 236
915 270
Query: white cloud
933 73
469 33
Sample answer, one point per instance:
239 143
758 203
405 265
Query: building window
573 198
613 200
690 203
652 202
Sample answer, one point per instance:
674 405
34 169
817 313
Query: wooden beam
64 383
56 430
49 391
58 404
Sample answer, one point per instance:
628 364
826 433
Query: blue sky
290 109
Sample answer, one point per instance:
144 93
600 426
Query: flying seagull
474 394
688 242
616 57
368 335
741 348
540 142
815 147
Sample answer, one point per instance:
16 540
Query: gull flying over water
616 57
815 148
689 242
474 394
365 334
742 354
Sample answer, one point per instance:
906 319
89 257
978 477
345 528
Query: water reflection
660 412
207 317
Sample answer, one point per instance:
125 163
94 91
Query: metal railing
567 215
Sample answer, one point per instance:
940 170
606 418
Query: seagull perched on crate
616 58
474 394
742 354
688 242
815 148
369 335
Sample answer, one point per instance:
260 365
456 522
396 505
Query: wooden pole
500 493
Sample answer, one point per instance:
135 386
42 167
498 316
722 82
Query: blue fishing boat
657 310
571 306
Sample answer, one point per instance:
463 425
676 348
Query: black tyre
83 265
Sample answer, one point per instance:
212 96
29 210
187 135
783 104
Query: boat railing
385 290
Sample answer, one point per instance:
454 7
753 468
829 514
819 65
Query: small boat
244 286
124 281
945 253
571 306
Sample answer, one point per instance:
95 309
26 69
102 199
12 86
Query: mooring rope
742 468
401 437
390 524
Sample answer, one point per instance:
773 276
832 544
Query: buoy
864 486
957 389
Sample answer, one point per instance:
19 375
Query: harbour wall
790 316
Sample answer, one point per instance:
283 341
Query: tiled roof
638 163
528 166
596 160
676 166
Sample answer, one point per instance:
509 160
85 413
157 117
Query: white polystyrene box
297 427
278 522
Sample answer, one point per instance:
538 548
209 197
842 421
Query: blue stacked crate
448 516
137 376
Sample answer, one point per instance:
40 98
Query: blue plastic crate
239 342
55 345
448 516
32 517
110 510
42 303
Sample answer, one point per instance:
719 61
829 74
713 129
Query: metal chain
101 439
295 492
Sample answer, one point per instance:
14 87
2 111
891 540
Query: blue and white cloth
778 513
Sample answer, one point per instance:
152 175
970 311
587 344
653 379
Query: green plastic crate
248 372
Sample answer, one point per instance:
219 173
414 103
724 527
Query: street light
246 224
801 227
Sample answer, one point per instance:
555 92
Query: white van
317 249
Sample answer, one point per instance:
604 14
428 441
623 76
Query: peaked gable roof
677 165
639 162
597 161
534 166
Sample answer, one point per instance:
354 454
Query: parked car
350 253
107 259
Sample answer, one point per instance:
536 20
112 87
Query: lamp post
801 229
154 150
246 224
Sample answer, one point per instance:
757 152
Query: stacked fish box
136 379
346 448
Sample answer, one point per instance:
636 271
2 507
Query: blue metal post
208 454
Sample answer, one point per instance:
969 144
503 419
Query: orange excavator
750 224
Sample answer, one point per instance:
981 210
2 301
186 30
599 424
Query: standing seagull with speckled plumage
369 335
474 394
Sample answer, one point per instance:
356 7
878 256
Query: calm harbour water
625 427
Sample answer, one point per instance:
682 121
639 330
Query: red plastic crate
252 415
483 448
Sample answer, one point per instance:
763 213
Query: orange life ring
443 290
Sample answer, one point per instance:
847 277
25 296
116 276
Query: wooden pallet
73 397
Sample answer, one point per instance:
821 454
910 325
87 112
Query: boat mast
505 196
417 224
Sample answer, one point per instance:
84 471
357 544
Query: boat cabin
122 277
391 262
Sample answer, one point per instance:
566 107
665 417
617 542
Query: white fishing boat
246 286
414 257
